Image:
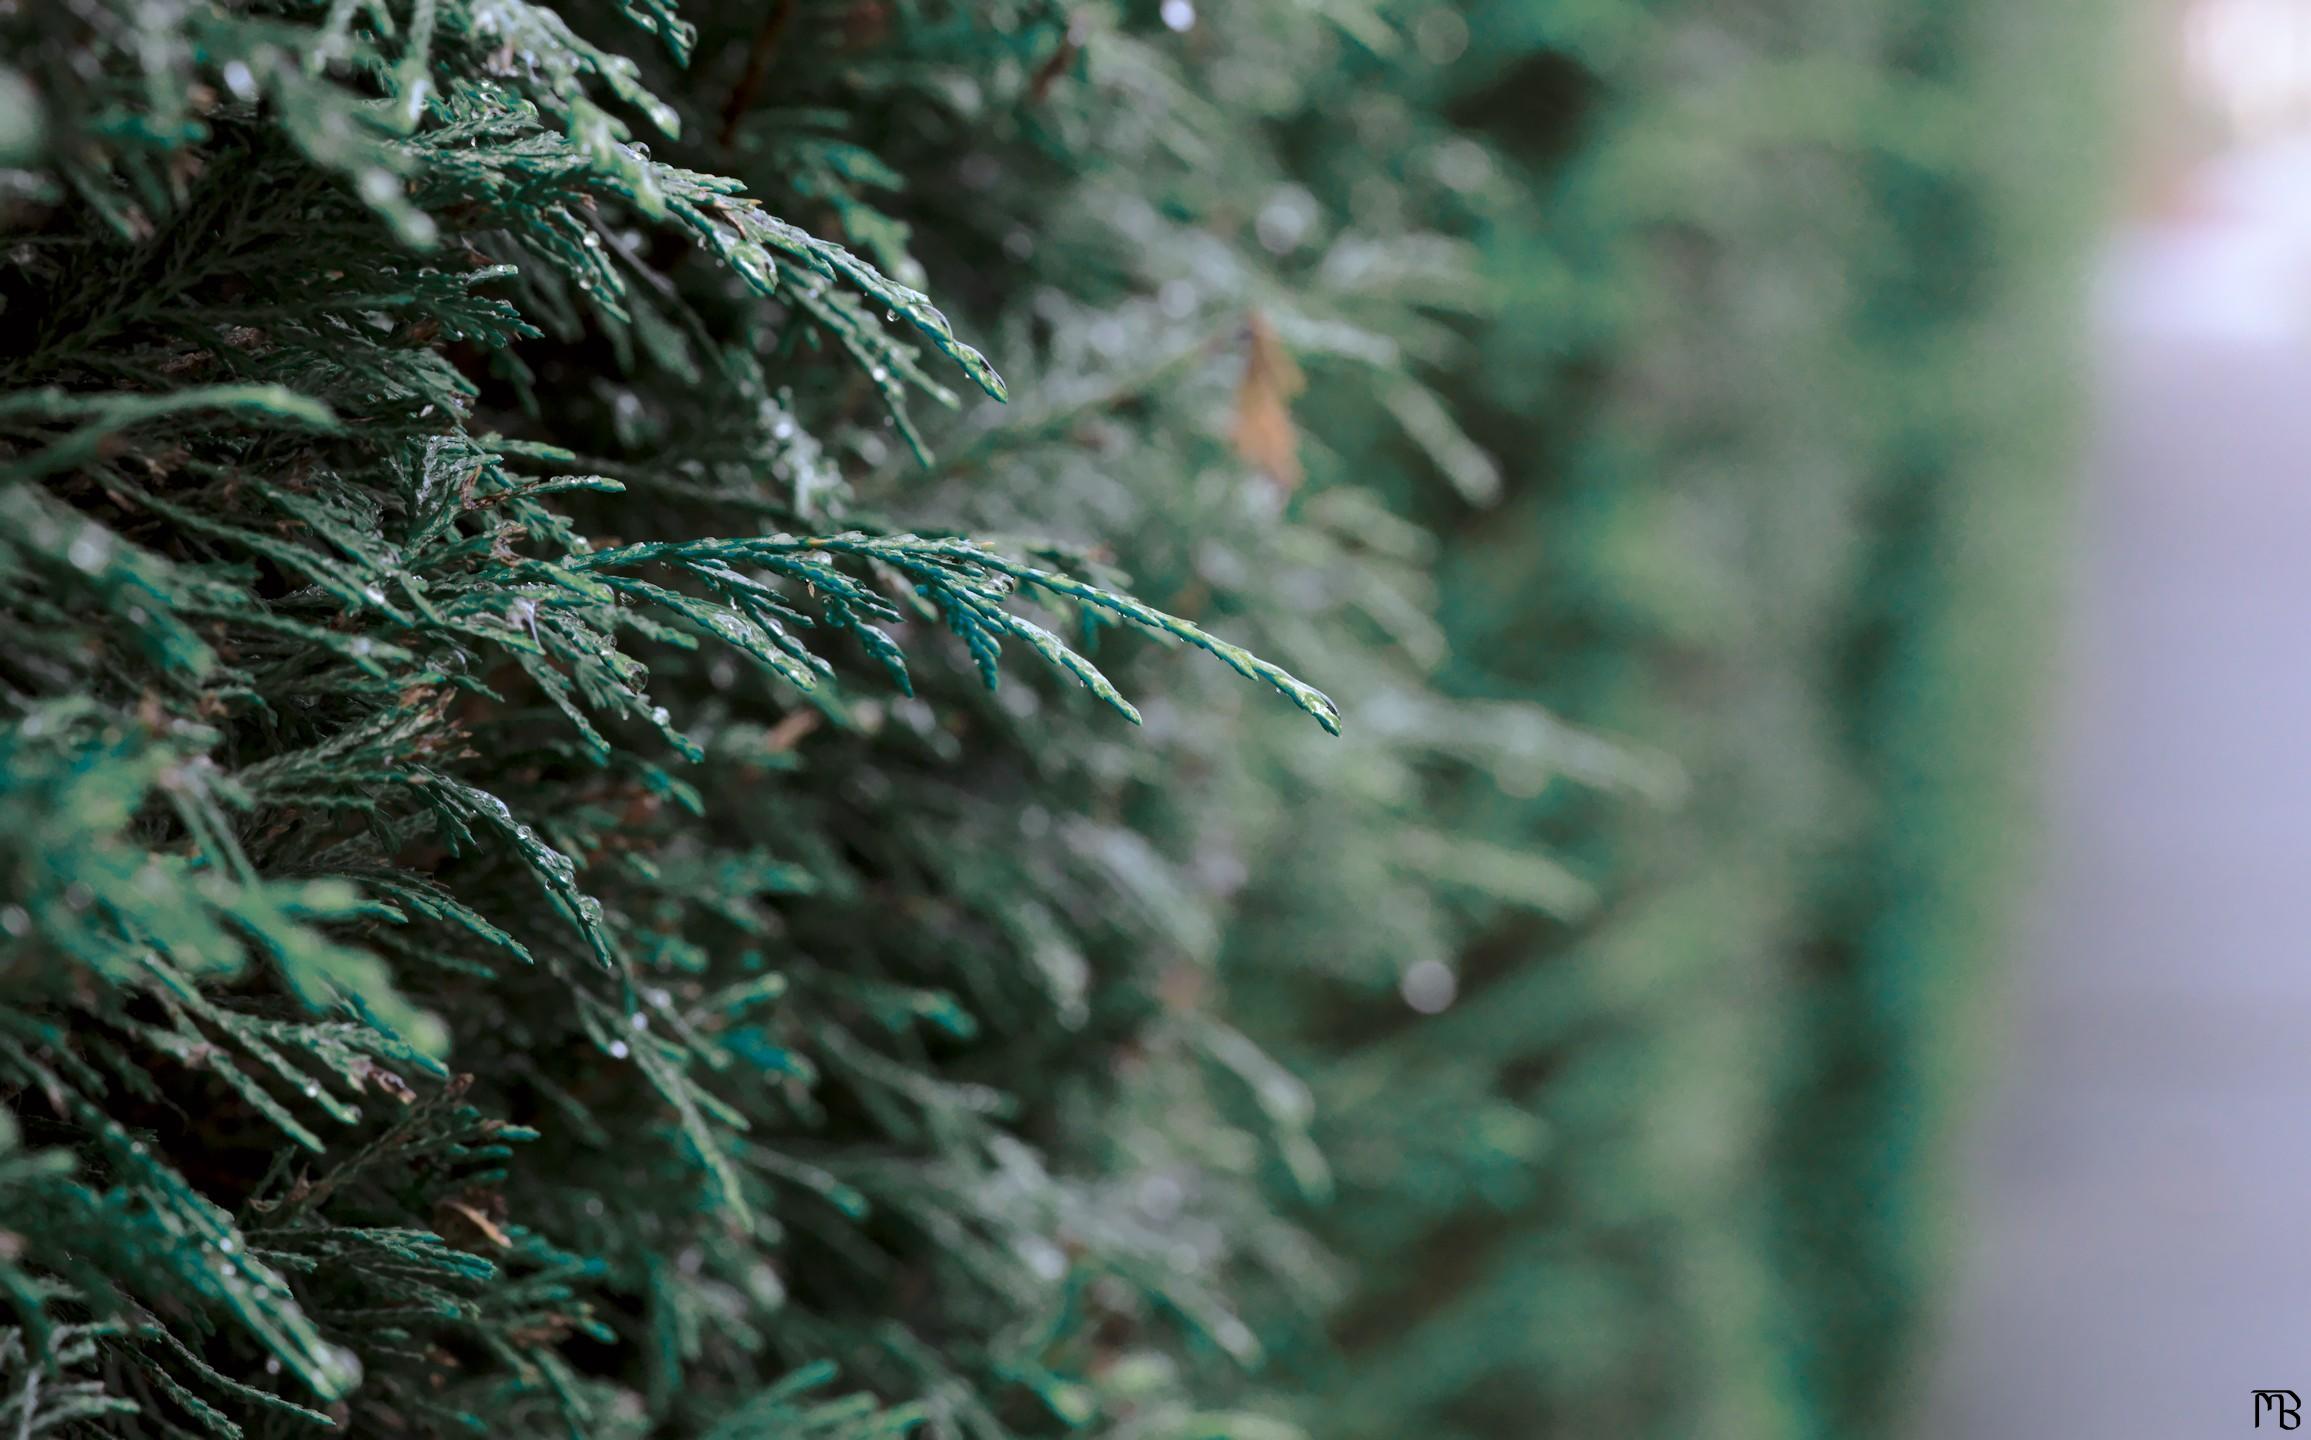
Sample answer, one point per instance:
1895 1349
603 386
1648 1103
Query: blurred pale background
2139 1238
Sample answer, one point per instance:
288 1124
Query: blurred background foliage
1633 1061
1644 419
1780 352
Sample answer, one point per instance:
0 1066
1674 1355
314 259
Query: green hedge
526 908
1785 372
549 888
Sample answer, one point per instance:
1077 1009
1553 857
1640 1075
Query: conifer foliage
576 581
525 908
1787 359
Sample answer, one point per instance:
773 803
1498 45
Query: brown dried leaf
1263 433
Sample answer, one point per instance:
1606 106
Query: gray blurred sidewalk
2141 1226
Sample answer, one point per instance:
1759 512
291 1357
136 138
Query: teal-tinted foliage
525 908
1782 356
571 856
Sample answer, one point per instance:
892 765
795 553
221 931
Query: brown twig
758 58
1070 46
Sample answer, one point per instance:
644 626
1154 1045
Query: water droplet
1161 1196
878 374
345 1363
89 550
239 80
889 315
1441 36
228 1245
14 920
272 1365
1285 221
1462 164
659 714
618 1050
373 595
311 1090
638 1020
1043 1257
767 1286
1429 986
1179 15
594 1205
